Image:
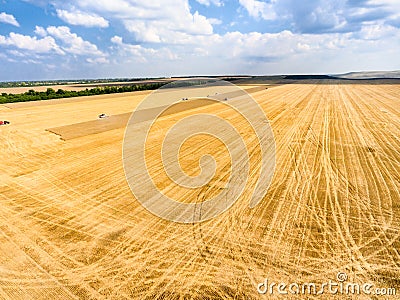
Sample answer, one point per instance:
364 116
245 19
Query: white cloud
214 21
323 16
230 47
259 9
58 40
116 40
99 60
284 51
25 42
40 31
377 32
209 2
135 53
72 43
142 54
76 17
164 21
8 19
341 15
265 47
394 5
145 32
169 31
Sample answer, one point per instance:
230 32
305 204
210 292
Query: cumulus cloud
142 54
214 21
25 42
310 16
116 40
98 60
76 17
72 43
392 7
53 40
366 14
209 2
376 32
235 46
169 31
8 19
265 47
259 9
257 53
40 31
323 16
162 21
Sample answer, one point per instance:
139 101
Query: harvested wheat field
70 227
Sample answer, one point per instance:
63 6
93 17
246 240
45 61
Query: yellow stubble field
71 228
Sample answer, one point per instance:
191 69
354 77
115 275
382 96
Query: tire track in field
331 207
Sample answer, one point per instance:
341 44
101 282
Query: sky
76 39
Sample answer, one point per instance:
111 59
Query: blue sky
56 39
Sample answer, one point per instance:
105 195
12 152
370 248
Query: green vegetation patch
33 95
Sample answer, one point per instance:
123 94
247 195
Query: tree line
50 93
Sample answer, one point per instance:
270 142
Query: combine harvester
103 116
4 123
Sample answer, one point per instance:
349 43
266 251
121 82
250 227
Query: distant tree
50 91
33 95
